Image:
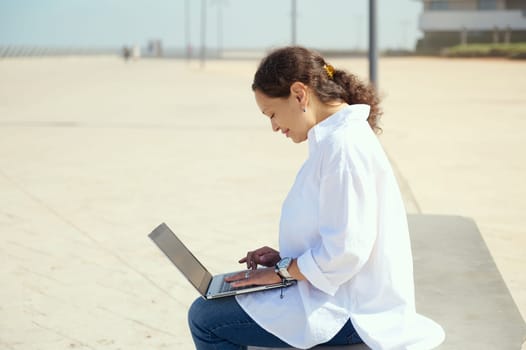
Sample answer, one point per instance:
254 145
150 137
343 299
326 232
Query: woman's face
286 115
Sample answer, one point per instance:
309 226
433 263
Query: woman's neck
325 110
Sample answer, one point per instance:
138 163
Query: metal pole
187 29
293 22
373 50
203 32
219 29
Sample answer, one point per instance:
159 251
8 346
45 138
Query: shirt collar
327 126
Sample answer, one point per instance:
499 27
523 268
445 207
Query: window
487 4
438 5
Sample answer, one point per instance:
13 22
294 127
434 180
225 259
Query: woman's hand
254 277
264 256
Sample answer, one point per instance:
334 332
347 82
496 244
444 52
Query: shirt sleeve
347 222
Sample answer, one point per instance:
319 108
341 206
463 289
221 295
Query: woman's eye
272 116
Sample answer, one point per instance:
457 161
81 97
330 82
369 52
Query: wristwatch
282 268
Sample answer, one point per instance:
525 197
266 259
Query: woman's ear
299 91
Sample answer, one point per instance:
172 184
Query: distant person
126 53
343 232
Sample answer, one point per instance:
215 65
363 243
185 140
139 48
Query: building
452 22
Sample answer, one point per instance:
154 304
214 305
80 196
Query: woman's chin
298 140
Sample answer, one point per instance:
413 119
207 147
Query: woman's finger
249 260
245 279
236 277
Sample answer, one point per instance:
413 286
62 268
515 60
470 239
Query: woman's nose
275 126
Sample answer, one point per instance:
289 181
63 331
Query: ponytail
355 91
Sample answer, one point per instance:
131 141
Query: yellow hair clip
330 70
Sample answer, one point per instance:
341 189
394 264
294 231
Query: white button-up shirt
345 222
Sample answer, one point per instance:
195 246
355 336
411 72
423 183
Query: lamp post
293 14
373 51
219 30
203 32
187 29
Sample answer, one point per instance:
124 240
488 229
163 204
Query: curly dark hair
284 66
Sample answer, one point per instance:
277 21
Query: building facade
451 22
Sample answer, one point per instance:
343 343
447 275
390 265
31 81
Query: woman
343 230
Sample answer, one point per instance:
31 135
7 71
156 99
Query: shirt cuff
310 269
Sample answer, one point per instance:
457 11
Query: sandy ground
95 152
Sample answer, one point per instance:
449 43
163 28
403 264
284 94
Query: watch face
284 263
282 268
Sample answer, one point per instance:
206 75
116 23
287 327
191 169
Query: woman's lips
286 132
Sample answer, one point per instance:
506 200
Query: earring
304 109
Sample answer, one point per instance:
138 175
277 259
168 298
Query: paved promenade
96 152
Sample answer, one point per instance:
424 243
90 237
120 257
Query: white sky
328 24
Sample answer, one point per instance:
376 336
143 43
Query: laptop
210 287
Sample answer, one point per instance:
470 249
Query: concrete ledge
460 287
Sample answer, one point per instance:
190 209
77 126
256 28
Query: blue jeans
221 324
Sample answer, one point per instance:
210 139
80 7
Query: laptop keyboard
227 287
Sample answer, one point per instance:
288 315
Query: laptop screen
185 261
